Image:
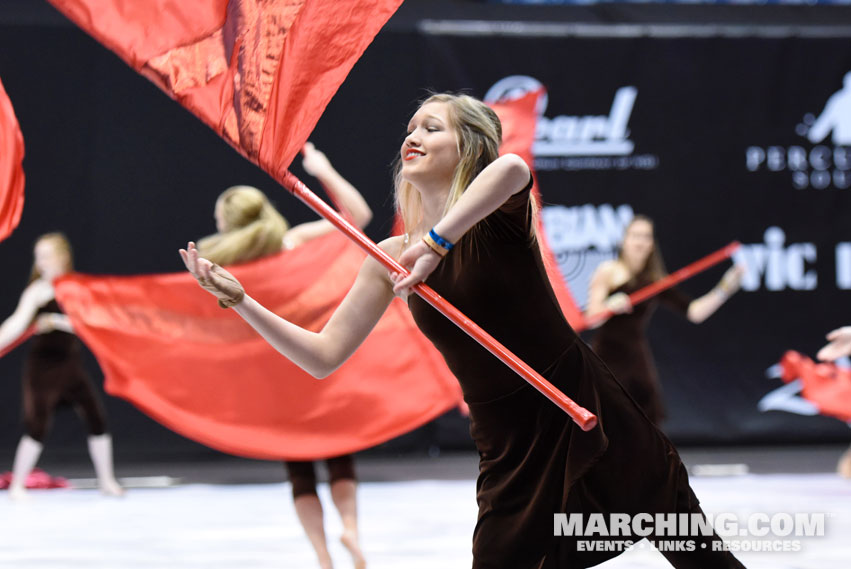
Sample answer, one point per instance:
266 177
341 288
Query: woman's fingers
419 273
840 344
828 353
198 266
407 259
190 257
186 261
203 266
834 334
403 286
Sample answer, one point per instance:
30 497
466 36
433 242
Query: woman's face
50 260
430 150
638 241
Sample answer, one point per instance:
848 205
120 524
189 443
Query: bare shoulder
610 274
606 270
39 289
393 246
37 294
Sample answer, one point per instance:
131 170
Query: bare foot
111 488
18 493
350 541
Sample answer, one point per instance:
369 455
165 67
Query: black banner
716 139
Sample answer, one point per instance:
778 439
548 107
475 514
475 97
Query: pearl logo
581 141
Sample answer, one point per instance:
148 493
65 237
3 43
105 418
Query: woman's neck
434 205
633 266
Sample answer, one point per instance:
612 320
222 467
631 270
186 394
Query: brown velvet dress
54 376
534 462
621 342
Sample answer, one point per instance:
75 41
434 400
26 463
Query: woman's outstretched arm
702 308
35 295
318 353
349 198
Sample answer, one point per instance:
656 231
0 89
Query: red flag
519 119
258 72
825 385
203 372
11 167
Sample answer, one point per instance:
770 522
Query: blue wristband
440 240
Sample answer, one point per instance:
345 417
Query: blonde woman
249 227
53 373
468 233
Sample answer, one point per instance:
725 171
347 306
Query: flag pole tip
589 422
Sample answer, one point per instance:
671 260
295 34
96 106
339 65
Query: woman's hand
840 345
314 161
619 303
50 321
421 260
212 277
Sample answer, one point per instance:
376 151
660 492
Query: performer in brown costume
621 340
535 462
53 372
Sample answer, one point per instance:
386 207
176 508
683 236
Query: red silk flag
11 167
825 385
258 72
203 372
519 119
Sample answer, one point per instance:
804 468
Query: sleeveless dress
534 462
54 376
621 342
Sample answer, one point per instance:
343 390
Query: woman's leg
100 450
38 412
344 493
26 457
89 407
309 508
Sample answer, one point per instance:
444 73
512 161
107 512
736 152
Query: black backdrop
130 176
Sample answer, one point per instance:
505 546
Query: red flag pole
581 416
667 282
21 339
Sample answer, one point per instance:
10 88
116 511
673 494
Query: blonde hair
252 228
61 243
479 135
654 266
